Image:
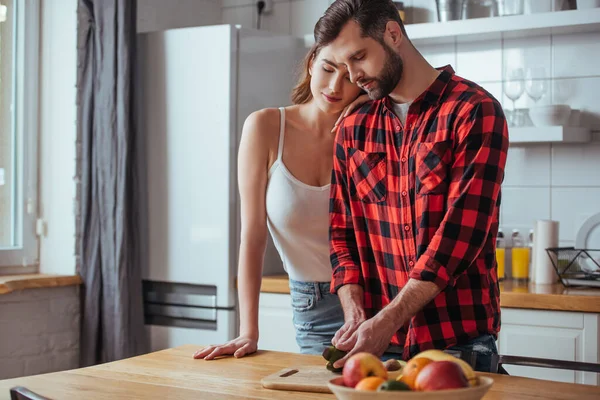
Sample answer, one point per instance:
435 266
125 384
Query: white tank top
298 219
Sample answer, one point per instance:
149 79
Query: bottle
530 246
500 254
520 257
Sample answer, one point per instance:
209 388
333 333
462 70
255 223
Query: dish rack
576 267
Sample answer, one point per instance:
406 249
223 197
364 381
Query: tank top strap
281 133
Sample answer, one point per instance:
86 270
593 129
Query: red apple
441 375
362 365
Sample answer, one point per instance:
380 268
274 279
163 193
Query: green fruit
337 354
393 385
328 352
333 369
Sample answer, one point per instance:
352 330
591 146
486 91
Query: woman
284 169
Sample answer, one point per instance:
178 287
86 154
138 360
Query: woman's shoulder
261 131
264 120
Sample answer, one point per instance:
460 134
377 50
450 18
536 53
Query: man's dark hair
371 16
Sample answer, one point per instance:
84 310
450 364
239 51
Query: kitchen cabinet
275 324
571 336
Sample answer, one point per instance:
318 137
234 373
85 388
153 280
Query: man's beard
390 75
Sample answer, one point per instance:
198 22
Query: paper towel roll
545 236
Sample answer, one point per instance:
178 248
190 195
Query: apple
441 375
360 366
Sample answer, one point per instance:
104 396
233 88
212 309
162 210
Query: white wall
543 181
155 15
291 17
58 77
40 331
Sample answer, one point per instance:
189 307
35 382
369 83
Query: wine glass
514 86
535 84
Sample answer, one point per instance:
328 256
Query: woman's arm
253 164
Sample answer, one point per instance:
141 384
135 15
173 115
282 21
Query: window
19 53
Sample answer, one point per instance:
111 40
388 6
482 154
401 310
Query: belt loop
318 290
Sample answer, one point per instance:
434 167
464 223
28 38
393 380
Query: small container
512 7
500 254
400 7
520 257
448 10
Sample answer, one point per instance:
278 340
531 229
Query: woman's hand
360 100
238 347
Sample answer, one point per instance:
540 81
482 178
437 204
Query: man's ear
393 35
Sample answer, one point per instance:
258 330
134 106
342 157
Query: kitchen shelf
557 22
548 134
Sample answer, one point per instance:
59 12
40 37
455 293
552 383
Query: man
415 194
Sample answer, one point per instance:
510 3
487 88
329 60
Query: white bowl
554 115
471 393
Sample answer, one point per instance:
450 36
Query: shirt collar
433 94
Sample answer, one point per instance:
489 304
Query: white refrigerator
195 87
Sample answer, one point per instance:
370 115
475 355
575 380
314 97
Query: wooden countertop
512 295
9 283
173 374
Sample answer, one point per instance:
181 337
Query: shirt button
411 263
398 128
404 193
406 228
403 159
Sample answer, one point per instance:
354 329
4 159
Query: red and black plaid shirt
421 201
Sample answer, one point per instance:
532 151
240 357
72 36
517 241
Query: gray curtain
108 248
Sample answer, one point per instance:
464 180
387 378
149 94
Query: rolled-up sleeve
345 259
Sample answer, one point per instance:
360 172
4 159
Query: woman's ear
310 64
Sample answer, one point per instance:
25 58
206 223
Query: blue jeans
477 352
317 313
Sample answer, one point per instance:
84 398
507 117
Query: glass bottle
520 257
500 254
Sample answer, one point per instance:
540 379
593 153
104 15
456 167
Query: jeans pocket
302 302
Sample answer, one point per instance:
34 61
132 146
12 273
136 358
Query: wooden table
173 374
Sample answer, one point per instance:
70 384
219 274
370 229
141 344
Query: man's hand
373 336
345 337
351 297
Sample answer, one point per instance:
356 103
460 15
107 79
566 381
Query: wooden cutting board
305 379
301 379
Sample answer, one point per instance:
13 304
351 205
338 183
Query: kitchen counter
173 374
512 295
11 283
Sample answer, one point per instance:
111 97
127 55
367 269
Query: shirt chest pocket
433 164
368 172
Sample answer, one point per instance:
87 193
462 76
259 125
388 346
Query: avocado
393 385
332 354
333 369
328 352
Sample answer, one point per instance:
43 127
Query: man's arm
344 256
476 176
347 280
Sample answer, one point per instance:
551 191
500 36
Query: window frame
24 257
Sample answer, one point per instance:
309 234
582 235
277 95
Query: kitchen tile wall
560 182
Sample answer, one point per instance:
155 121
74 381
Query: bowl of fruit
430 375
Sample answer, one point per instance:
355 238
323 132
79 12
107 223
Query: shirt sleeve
345 259
477 172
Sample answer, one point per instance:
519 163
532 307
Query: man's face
375 67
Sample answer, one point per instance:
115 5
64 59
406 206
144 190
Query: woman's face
330 83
